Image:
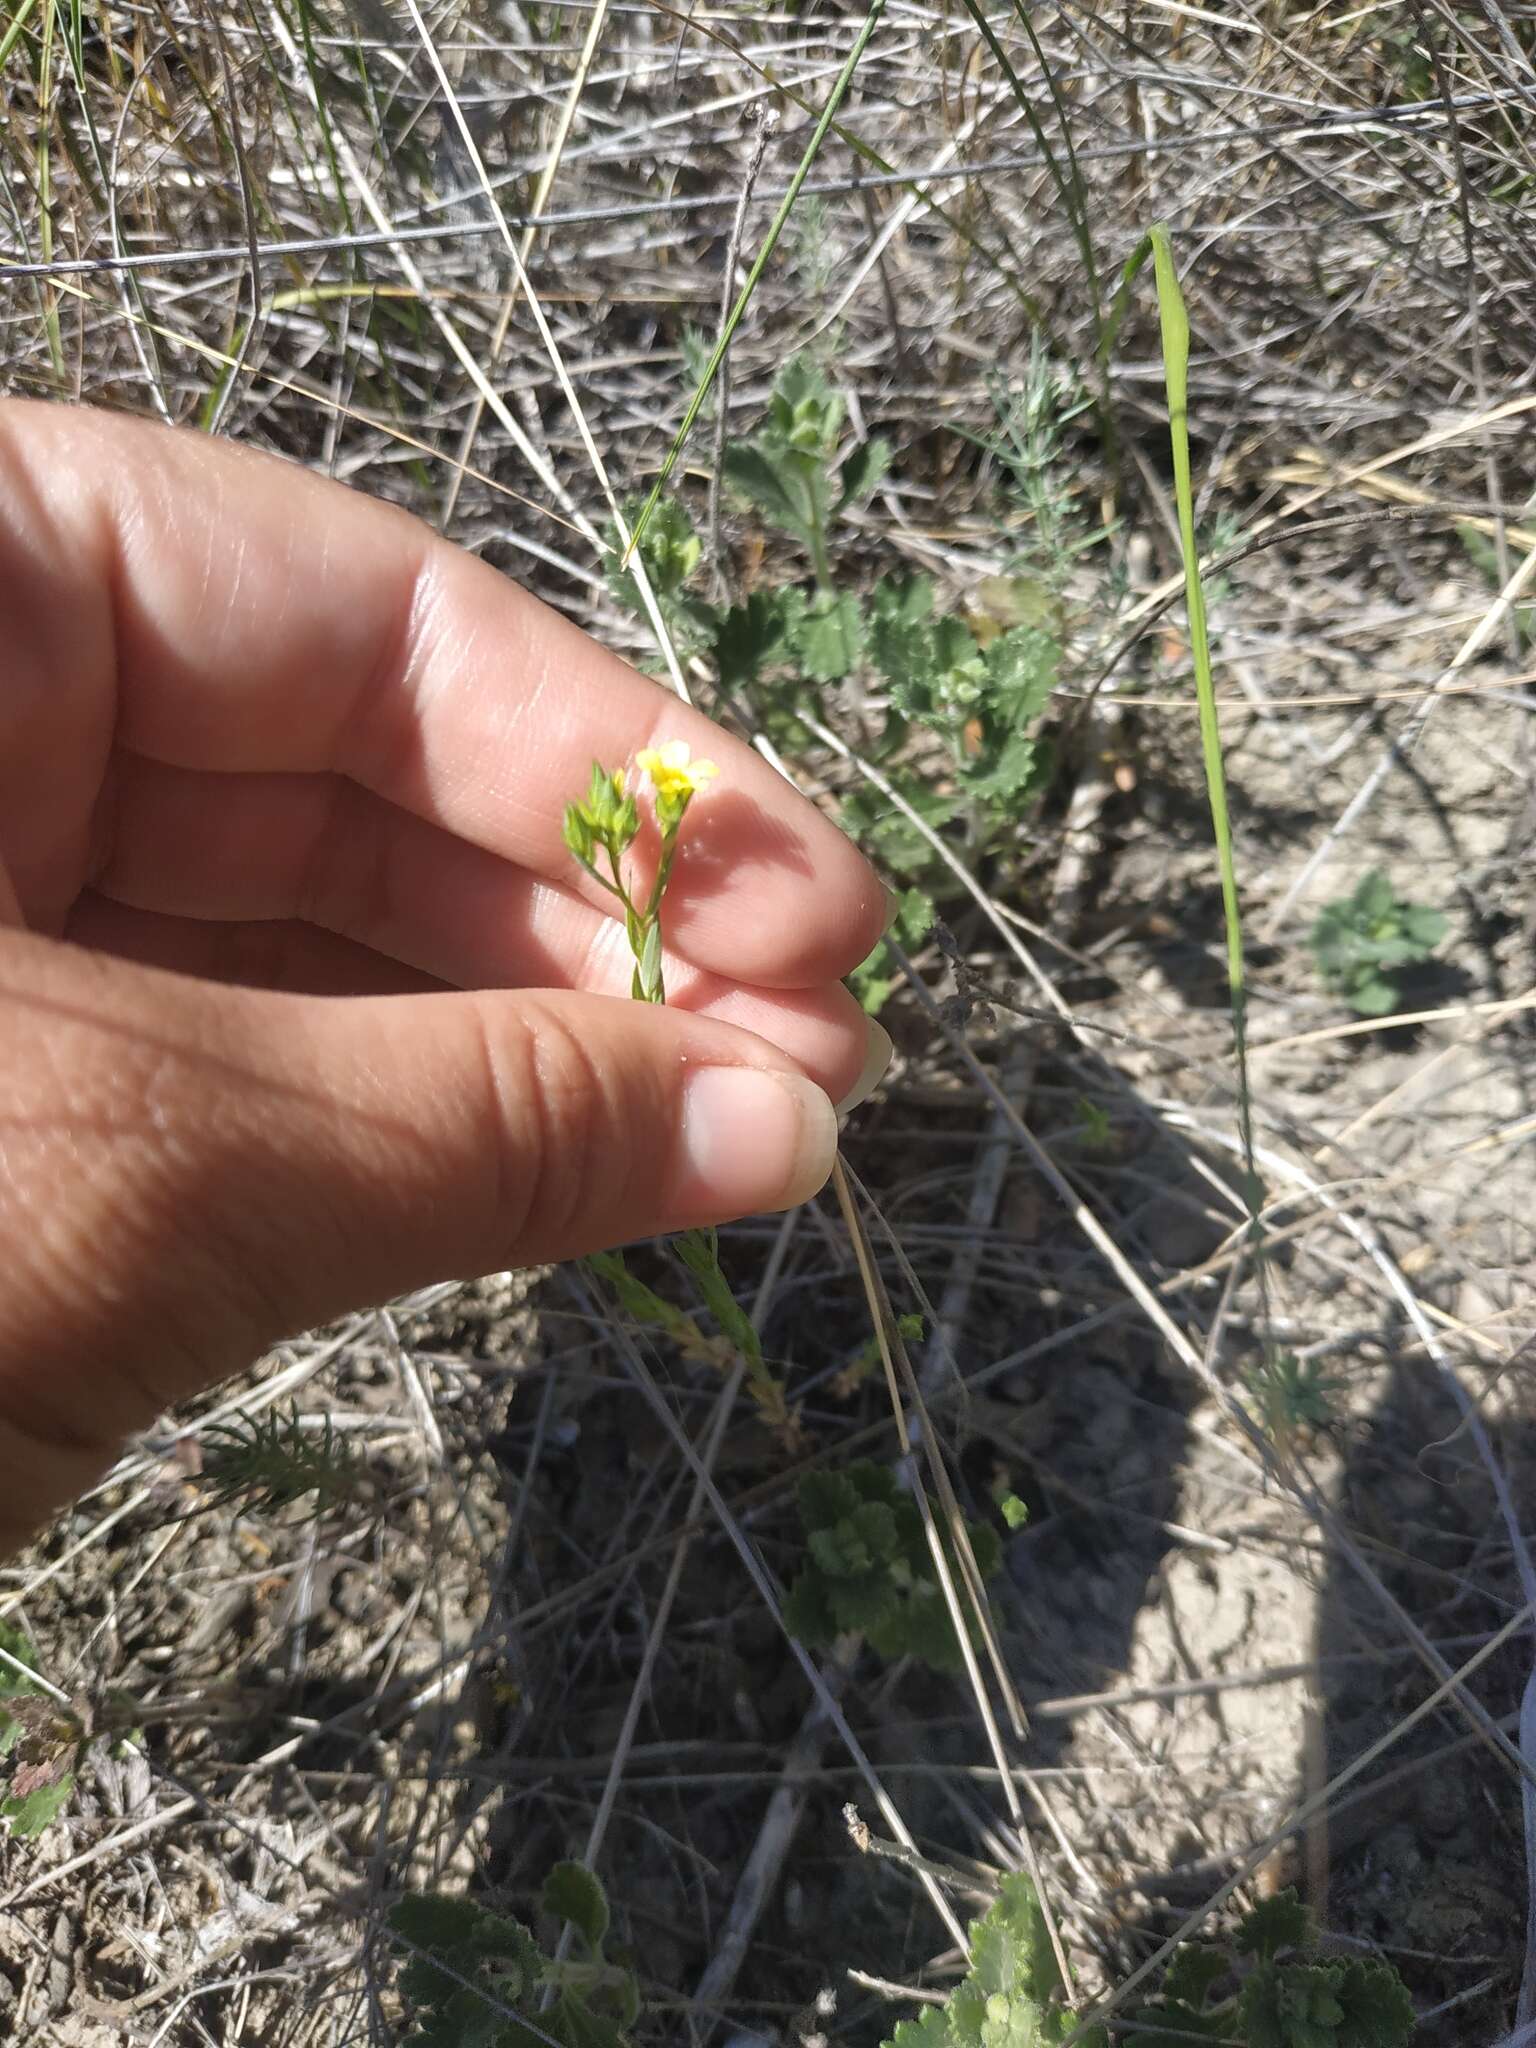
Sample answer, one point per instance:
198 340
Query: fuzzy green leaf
804 412
1423 927
868 1567
828 637
823 1498
1008 1999
921 1627
669 548
778 485
469 1970
808 1611
1359 942
17 1645
1373 997
869 1604
1171 2022
671 552
756 635
1022 668
572 1893
861 1542
15 1684
914 919
901 603
1377 2008
870 817
930 2031
1291 2005
862 472
1276 1923
1303 2001
30 1813
1194 1973
477 1979
1184 2008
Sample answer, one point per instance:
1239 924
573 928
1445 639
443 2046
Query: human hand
303 1002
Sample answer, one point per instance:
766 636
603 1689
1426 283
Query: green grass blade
1175 326
1120 304
18 22
760 263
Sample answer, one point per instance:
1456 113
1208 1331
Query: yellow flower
673 775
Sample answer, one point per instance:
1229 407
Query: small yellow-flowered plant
608 822
673 775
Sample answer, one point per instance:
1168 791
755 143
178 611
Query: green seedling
788 471
866 1359
1012 1994
1294 1393
1278 1991
981 695
1095 1131
41 1736
671 552
476 1978
271 1461
1362 941
868 1569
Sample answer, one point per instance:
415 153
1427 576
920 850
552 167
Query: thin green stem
1175 331
820 558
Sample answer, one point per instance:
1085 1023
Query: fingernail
892 909
754 1140
877 1058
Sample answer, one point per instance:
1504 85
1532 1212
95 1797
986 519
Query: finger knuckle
568 1131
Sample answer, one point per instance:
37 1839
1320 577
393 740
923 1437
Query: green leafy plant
1285 1995
1294 1393
476 1978
980 681
271 1461
866 1359
653 1311
1362 941
699 1253
1029 445
1095 1131
671 552
40 1735
1011 1996
981 694
787 471
868 1567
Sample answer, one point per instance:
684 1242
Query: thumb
188 1172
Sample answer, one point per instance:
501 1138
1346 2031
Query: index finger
234 614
